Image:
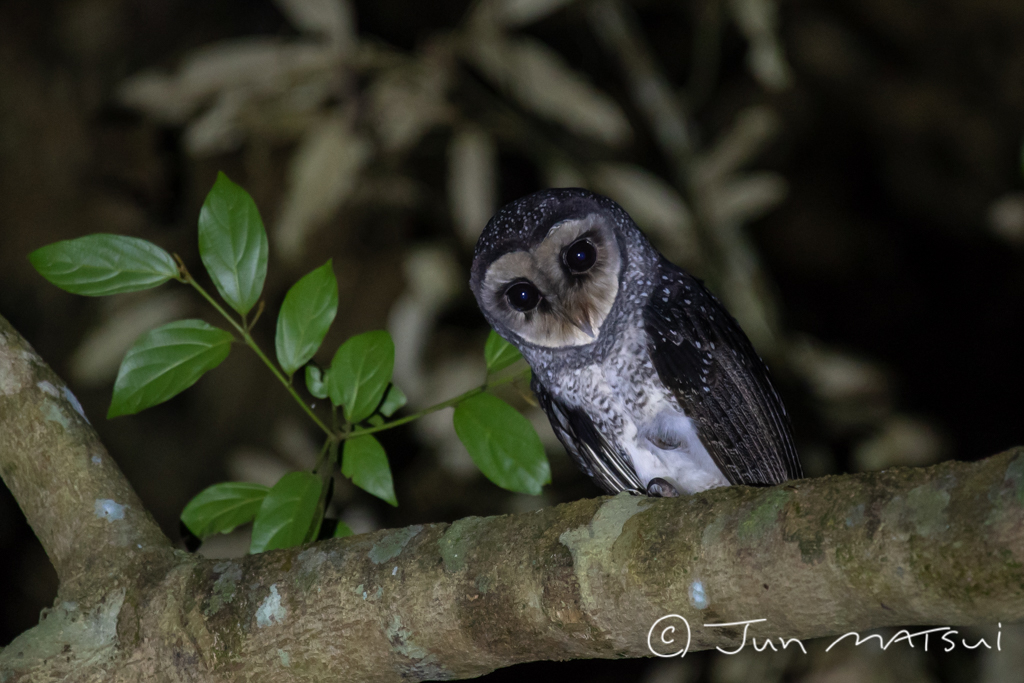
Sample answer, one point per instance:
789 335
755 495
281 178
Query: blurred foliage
844 174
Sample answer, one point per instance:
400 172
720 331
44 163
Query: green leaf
164 362
222 507
233 244
98 265
307 312
394 400
316 381
366 464
360 372
498 353
502 443
287 513
342 530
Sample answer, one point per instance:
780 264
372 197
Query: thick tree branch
91 524
942 545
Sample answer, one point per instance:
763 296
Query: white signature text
672 632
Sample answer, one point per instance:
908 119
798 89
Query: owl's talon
659 488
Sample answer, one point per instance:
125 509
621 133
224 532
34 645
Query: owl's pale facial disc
559 292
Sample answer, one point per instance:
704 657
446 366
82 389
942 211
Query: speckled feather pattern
660 349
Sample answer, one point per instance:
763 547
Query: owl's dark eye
522 296
580 256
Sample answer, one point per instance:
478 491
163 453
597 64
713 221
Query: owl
648 382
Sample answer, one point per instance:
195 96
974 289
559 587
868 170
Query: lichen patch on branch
591 544
391 545
15 373
457 542
271 611
763 518
109 510
224 587
89 635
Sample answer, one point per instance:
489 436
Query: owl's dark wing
701 354
589 450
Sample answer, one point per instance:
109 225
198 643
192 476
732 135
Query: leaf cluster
358 382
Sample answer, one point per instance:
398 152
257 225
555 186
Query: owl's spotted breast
643 423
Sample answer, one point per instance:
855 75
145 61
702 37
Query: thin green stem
445 404
259 311
321 459
328 456
251 343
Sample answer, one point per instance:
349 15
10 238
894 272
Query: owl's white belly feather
684 463
659 439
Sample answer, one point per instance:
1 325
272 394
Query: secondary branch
91 523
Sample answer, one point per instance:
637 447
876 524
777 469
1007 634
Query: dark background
901 135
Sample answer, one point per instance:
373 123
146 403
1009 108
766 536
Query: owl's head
547 267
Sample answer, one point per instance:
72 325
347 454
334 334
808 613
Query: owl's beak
584 325
578 317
